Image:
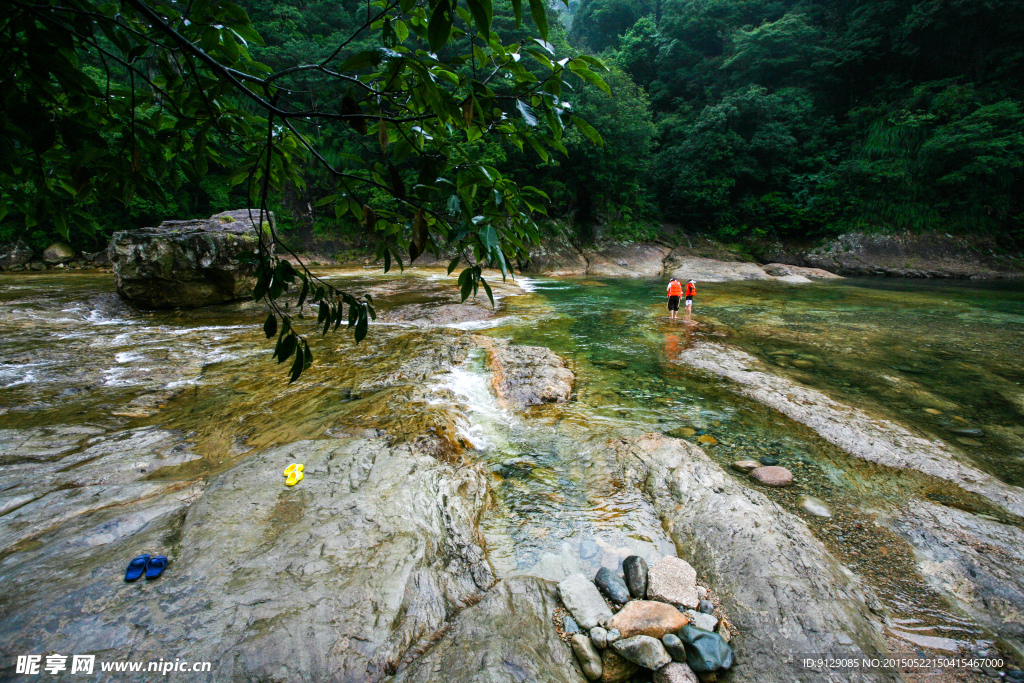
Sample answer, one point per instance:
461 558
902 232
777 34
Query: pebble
674 581
583 601
588 657
706 606
674 647
645 651
813 506
707 440
612 586
769 460
599 637
569 625
702 592
616 668
745 466
723 631
773 476
647 618
933 411
635 569
705 622
675 672
613 635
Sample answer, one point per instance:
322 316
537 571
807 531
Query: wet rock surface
772 573
857 433
379 546
185 264
473 648
772 475
527 375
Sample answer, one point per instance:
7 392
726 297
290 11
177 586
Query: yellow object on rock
293 473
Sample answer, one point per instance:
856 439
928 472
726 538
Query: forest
743 120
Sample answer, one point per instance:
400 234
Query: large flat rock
337 579
527 375
780 586
627 260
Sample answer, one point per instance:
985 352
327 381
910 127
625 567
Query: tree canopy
387 114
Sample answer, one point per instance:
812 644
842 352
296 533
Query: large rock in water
58 252
527 375
14 254
185 264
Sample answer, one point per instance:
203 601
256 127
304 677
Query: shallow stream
944 359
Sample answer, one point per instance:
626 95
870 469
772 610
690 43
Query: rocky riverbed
456 477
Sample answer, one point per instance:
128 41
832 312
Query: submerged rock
527 375
773 476
185 264
612 586
634 568
644 651
583 600
813 506
673 580
648 618
745 466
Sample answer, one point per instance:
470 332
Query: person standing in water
675 292
691 291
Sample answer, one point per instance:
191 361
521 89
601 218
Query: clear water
946 359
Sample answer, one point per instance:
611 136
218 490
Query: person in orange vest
691 291
675 292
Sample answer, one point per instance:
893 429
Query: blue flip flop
156 567
135 568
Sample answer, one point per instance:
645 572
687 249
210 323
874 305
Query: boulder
673 580
626 260
186 264
58 252
14 254
615 668
643 651
635 569
582 598
612 586
527 375
648 618
587 655
684 267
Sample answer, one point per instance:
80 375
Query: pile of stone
657 619
17 256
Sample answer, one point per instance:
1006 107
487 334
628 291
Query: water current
943 359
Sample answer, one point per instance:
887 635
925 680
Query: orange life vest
675 288
691 289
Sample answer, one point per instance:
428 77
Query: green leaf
288 345
528 116
453 265
487 288
270 326
297 366
540 17
440 26
588 130
482 13
361 326
587 74
517 9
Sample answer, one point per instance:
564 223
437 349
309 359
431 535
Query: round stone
706 606
773 476
58 252
648 618
588 657
599 637
745 466
769 460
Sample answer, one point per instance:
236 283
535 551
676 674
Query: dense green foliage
797 117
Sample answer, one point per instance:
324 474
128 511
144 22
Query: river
944 360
